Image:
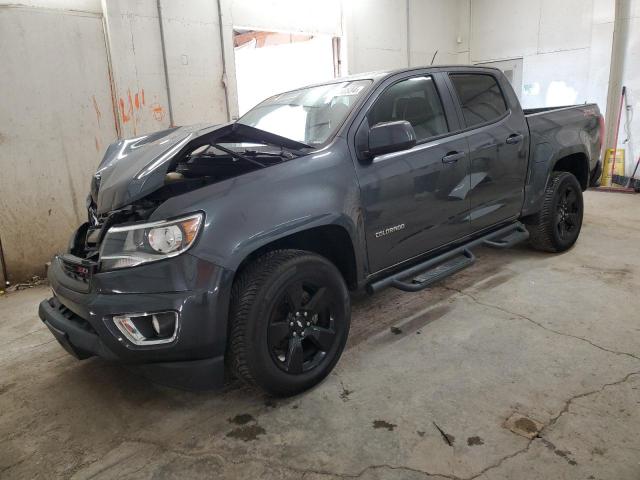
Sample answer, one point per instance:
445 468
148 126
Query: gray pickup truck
237 245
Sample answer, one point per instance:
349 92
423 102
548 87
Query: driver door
414 200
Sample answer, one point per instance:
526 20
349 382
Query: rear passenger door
413 200
498 139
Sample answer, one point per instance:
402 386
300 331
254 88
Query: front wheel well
578 165
331 241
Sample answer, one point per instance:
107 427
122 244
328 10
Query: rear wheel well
576 164
331 241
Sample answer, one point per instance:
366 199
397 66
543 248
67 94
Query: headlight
132 245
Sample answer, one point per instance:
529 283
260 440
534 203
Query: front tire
290 316
556 227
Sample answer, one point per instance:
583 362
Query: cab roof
380 75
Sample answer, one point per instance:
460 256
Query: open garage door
270 62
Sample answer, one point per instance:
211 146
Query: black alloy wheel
556 227
289 321
301 328
567 211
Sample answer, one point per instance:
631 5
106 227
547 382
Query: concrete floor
554 339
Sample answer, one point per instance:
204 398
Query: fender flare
543 163
262 240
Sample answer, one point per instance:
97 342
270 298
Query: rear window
480 97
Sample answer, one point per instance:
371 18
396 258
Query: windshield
309 115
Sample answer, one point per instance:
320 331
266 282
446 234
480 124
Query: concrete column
164 63
408 14
228 58
616 70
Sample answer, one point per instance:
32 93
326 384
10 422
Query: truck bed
536 111
559 132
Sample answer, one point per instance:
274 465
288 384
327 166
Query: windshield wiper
238 155
288 155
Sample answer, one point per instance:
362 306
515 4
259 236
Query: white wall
194 61
464 31
376 32
137 65
433 26
293 16
631 79
565 46
56 119
92 6
62 104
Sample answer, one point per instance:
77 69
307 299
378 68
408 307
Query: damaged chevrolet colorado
235 247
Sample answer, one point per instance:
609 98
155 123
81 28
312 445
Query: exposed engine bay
215 163
227 152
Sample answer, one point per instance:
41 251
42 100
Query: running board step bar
425 274
435 274
519 234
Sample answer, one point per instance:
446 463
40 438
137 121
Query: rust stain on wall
130 106
158 112
96 108
126 114
129 98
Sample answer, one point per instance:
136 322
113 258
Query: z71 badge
387 231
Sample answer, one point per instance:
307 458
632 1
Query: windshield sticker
351 89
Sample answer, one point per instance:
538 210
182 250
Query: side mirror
390 137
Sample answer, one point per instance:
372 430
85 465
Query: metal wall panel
54 127
133 31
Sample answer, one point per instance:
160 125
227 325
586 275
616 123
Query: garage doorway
512 69
272 62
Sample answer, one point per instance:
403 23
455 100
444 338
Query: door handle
515 138
453 157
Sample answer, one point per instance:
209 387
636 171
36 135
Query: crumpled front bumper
80 317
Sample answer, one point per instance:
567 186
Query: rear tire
556 227
289 320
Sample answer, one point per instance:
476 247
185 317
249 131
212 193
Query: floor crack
568 403
502 460
497 464
305 472
552 422
544 327
302 471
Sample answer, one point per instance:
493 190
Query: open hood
133 168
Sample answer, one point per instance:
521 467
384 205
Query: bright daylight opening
270 62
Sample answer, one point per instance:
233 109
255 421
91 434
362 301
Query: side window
415 100
480 97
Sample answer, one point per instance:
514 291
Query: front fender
248 212
255 242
